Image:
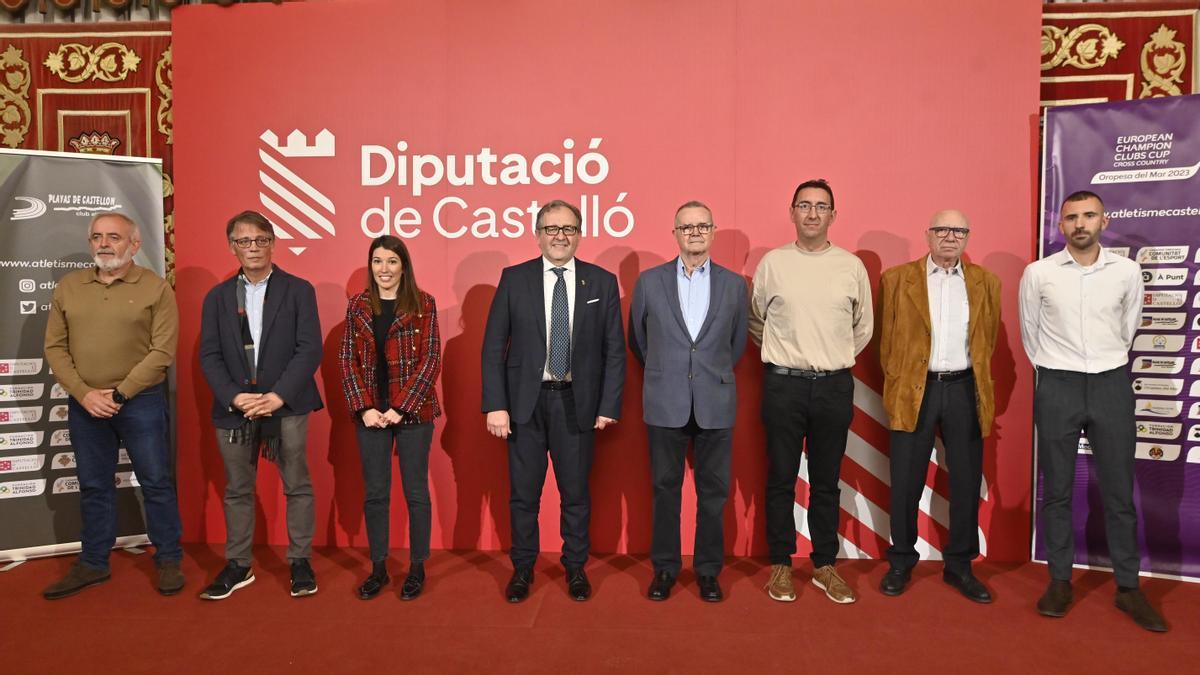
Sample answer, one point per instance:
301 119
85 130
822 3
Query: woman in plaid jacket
390 358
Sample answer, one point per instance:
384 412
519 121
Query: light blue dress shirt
693 295
256 295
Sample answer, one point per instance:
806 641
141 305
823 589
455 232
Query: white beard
112 264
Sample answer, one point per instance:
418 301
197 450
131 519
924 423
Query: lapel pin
583 282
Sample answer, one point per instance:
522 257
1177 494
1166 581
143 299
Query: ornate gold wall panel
1093 53
107 62
14 97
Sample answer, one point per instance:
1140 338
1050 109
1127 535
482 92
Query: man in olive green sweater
110 338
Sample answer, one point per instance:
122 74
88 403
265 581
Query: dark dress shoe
413 583
969 586
374 583
1056 600
518 586
1133 603
578 586
79 577
660 586
710 590
895 581
170 577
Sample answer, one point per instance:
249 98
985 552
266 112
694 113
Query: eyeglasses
943 232
701 228
804 207
98 237
554 230
245 242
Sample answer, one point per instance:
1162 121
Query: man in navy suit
553 369
260 345
687 327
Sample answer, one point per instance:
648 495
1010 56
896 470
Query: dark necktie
560 329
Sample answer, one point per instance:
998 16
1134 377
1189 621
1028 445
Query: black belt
556 385
806 374
950 375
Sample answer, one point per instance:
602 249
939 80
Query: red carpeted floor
463 624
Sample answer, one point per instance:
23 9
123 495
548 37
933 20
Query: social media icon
27 285
29 306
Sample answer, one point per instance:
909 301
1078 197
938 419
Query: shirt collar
131 276
701 268
547 265
932 267
257 284
1064 258
823 251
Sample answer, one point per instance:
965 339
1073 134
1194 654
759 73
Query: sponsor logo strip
21 440
22 463
1160 364
20 366
22 488
1162 452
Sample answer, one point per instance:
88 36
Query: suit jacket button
689 376
693 349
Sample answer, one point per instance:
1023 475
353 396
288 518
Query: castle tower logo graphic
298 211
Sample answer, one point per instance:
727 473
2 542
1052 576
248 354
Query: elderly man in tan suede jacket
939 319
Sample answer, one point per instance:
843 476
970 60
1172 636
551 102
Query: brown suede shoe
1056 600
827 579
79 577
170 577
779 586
1134 604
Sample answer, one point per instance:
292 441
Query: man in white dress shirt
938 326
1079 310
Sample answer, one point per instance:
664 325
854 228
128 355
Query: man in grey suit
687 327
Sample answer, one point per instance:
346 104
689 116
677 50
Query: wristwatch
118 397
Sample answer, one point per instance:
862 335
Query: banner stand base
68 548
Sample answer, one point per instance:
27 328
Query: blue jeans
141 425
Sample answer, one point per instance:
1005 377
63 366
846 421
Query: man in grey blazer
687 327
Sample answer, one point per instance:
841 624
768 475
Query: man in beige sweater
110 338
810 312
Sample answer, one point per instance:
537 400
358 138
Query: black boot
374 583
414 582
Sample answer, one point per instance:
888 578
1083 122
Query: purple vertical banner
1142 158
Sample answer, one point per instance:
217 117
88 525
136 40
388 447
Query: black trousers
1101 406
951 407
668 453
412 443
799 412
552 428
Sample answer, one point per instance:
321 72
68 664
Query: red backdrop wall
906 108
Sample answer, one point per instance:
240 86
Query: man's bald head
947 237
949 218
